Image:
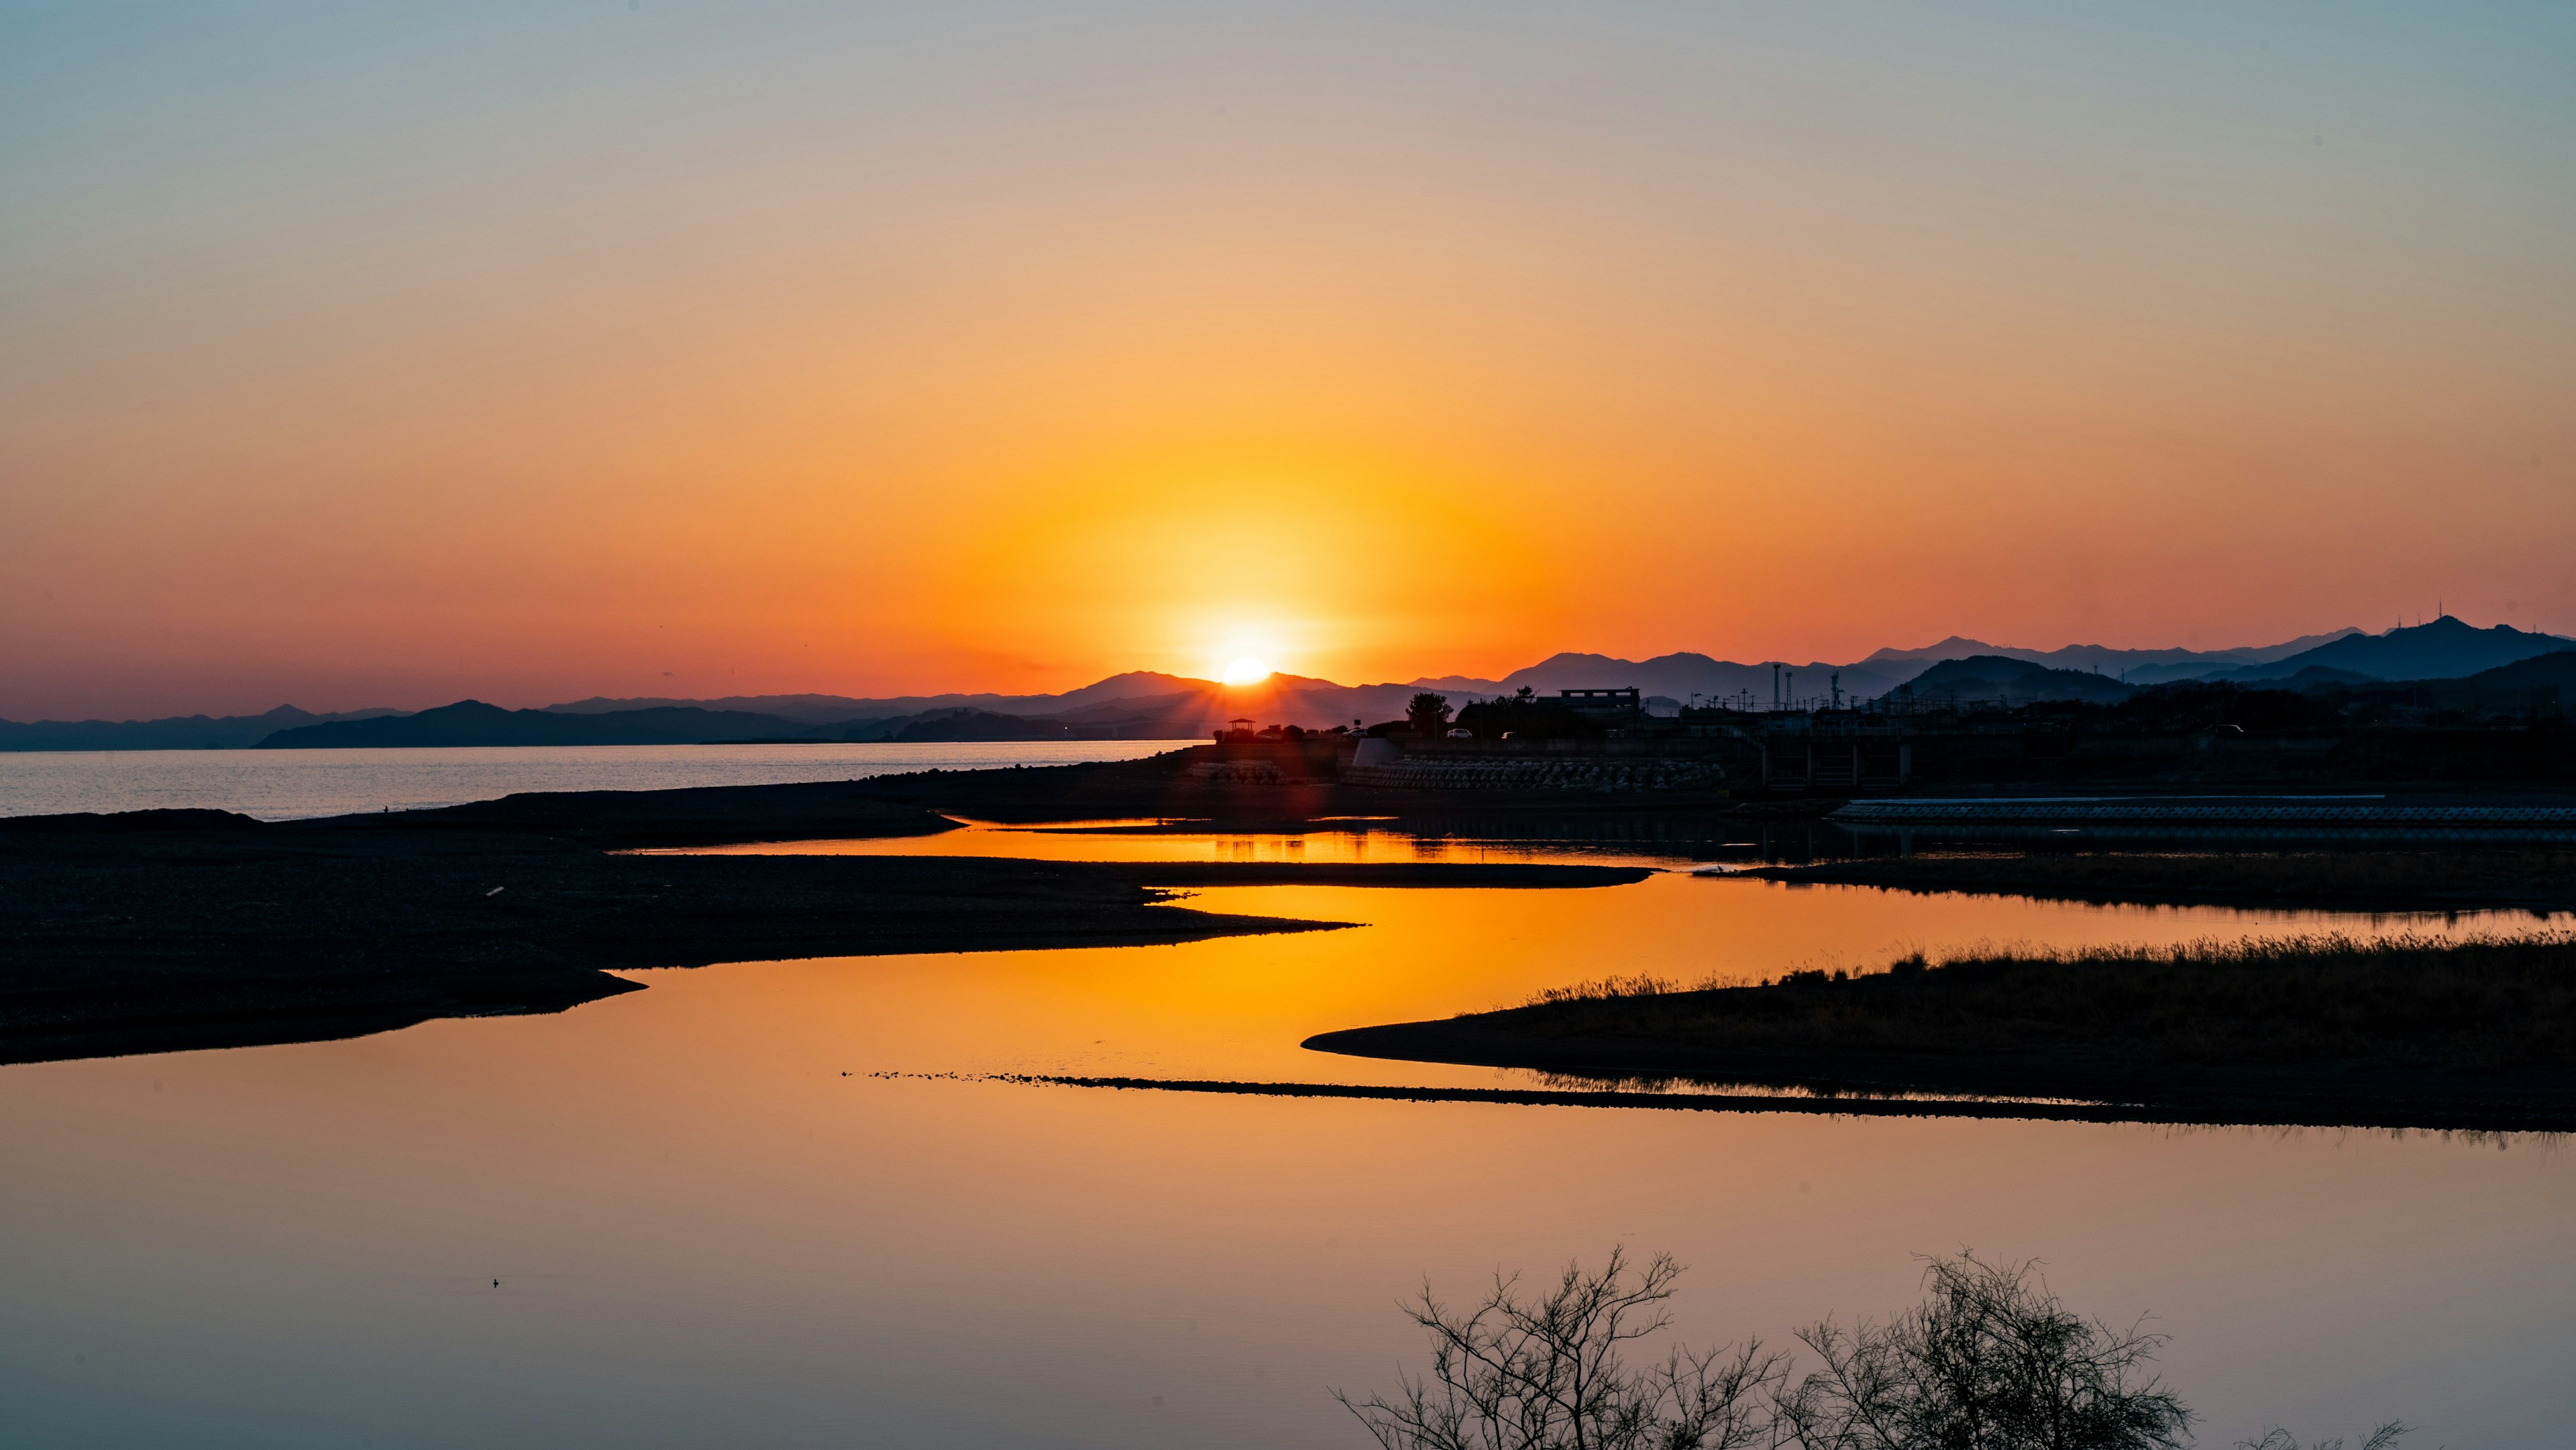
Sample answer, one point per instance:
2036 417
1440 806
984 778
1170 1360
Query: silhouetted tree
2382 1438
1991 1360
1526 716
1428 714
1547 1373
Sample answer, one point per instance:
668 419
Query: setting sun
1246 670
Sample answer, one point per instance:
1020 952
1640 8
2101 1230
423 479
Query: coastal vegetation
2476 1032
1990 1359
1427 713
2482 1004
2539 878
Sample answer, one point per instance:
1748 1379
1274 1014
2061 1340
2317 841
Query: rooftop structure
1626 700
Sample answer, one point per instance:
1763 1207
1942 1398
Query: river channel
773 1204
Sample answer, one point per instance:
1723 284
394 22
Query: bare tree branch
1548 1373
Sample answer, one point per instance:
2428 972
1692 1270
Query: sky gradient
381 356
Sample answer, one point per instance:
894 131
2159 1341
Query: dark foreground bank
164 930
2478 1034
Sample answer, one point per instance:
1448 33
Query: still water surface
706 1233
286 784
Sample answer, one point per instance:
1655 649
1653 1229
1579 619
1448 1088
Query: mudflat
161 930
2539 878
2477 1034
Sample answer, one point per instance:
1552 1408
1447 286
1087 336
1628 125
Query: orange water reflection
706 1233
1152 841
1238 1006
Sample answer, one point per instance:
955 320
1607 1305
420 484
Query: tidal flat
713 1223
2325 1030
161 930
2538 878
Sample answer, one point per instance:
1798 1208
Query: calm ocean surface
711 1226
287 784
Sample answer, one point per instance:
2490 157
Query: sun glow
1246 670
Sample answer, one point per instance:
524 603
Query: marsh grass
2481 1004
2381 880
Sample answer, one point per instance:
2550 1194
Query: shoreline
2551 1121
2479 1033
170 930
2538 879
158 930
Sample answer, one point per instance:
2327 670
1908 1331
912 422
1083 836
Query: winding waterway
710 1224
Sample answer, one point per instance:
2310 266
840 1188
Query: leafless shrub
1549 1373
2379 1439
1991 1360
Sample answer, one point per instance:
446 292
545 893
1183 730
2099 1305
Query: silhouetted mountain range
2505 684
2135 666
833 709
1680 676
2011 682
471 722
2443 649
1144 704
190 732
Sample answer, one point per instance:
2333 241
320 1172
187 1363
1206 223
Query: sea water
286 784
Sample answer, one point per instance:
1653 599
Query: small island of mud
2477 1034
165 930
2537 878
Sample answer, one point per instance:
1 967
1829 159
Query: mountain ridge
1153 704
179 732
2446 648
472 722
2009 680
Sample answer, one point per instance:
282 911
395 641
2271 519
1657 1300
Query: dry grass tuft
2481 1004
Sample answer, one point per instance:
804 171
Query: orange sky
386 359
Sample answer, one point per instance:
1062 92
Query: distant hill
1182 709
2315 677
2555 668
2012 682
471 722
982 725
1141 704
1458 685
2445 649
807 709
831 709
193 732
2505 684
1200 707
1148 704
2133 666
1680 676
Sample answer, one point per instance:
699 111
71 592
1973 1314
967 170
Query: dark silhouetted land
471 722
171 929
2477 1034
2462 878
